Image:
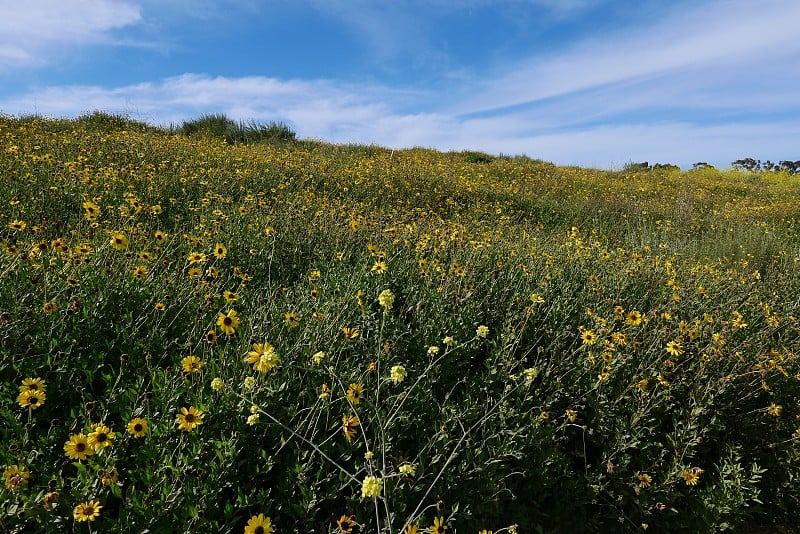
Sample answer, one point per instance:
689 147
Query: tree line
756 165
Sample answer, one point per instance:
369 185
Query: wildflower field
294 336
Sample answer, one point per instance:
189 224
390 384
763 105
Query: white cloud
335 112
31 30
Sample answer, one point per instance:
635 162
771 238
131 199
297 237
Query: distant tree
756 165
702 165
792 167
747 164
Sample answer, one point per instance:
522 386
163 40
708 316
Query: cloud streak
709 40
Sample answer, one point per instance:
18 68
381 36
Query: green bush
218 125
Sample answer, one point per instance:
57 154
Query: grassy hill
195 333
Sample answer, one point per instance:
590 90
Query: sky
595 83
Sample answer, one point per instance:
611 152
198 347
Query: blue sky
586 82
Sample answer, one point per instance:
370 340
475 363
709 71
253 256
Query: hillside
195 333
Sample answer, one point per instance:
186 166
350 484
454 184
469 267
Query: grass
420 339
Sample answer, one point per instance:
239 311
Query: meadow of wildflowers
302 337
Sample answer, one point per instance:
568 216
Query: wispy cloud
705 41
31 30
318 108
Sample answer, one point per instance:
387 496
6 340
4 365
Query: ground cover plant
200 336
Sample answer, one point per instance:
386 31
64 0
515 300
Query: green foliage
477 157
582 350
218 125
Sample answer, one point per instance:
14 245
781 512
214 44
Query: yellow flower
345 524
386 299
674 348
15 476
536 299
397 373
530 374
350 333
77 447
371 487
318 357
49 307
220 251
644 480
196 257
137 427
31 399
408 469
87 511
349 426
633 318
258 524
588 337
100 437
17 225
228 322
354 393
92 210
774 409
192 364
119 241
438 526
692 476
189 418
211 336
482 331
292 319
263 357
379 267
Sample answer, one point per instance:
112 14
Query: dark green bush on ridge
218 125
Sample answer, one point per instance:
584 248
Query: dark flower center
101 438
227 321
259 530
80 447
189 418
137 427
33 400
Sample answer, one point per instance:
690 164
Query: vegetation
753 165
217 125
206 336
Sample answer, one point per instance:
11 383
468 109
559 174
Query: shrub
218 125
